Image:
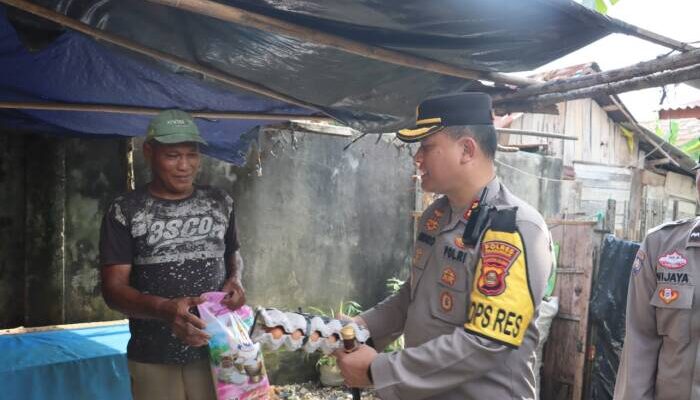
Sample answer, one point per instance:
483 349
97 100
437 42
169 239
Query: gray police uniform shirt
467 312
661 358
176 248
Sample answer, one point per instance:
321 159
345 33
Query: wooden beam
85 325
523 132
616 75
158 55
641 132
265 23
102 108
638 83
632 30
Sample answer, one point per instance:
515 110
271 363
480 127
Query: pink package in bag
236 362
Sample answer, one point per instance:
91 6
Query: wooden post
675 210
609 223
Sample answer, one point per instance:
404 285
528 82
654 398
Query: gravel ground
314 391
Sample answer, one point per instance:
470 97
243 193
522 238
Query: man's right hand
185 325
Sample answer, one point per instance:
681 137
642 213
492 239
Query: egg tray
275 329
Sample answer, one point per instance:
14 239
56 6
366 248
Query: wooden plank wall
564 353
600 183
600 139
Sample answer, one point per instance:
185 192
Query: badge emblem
497 257
446 301
668 295
449 276
637 266
459 242
467 214
434 222
417 256
673 260
431 224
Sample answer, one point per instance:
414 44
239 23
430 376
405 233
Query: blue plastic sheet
66 364
76 69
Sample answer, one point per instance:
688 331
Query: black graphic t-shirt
176 248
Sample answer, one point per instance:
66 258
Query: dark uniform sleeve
116 245
636 376
447 361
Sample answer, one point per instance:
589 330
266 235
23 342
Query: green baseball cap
173 126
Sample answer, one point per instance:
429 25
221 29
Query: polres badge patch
501 306
673 260
496 258
638 260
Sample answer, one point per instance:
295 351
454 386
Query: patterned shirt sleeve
231 237
116 246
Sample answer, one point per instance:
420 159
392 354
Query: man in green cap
161 247
479 271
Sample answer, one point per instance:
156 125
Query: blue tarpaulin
76 69
366 94
66 364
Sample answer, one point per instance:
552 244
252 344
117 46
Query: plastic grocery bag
236 362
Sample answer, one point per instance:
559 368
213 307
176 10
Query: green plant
345 308
393 284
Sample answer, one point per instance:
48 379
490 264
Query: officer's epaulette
669 224
503 220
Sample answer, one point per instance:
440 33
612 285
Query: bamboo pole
641 131
638 83
84 325
643 68
523 132
101 108
632 30
158 55
621 26
269 24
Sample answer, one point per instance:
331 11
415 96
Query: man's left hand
353 366
236 295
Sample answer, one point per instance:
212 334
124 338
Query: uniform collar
492 189
693 239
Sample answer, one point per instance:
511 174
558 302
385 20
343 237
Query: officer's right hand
185 325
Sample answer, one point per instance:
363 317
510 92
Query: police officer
661 358
479 270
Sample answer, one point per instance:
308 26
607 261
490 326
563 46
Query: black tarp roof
369 95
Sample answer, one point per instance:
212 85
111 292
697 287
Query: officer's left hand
236 295
353 366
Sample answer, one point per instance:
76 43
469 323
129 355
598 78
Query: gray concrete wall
523 174
54 192
12 207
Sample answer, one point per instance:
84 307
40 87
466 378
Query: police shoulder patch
501 301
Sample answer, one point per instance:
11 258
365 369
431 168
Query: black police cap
435 113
